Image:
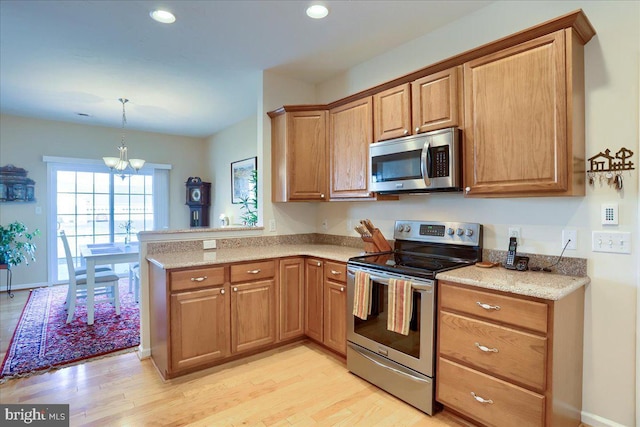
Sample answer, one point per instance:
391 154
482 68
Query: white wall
611 62
237 142
24 141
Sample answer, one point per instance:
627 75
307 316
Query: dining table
105 254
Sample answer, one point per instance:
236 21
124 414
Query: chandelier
120 164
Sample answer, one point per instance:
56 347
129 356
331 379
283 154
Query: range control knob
459 231
407 228
400 228
468 232
450 231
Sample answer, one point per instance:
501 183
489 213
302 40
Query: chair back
67 251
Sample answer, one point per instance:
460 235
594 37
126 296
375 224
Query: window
92 206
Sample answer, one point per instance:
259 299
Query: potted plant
250 201
15 244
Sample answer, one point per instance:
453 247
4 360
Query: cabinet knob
467 190
221 291
319 264
322 196
406 132
199 279
341 288
235 289
417 130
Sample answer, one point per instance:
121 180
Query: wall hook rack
606 167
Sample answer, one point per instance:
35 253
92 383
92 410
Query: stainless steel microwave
423 163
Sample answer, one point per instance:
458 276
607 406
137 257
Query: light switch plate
611 241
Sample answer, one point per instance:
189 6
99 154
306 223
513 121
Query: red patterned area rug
42 340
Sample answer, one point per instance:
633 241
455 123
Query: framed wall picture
241 184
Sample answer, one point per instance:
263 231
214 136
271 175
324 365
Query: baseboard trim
593 420
25 286
143 353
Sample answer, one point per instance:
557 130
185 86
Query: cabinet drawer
252 271
515 355
504 404
336 271
500 308
196 278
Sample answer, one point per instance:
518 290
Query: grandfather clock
198 200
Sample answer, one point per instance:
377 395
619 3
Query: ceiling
71 60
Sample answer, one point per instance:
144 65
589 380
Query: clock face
196 194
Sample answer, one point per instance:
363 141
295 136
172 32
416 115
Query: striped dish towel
362 295
400 306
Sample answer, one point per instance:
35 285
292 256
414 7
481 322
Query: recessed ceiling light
317 11
163 16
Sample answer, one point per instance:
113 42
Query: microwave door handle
424 164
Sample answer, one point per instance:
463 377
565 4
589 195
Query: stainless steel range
404 365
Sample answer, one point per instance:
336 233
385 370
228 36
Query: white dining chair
134 280
106 284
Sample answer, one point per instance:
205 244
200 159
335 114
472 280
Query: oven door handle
397 371
385 281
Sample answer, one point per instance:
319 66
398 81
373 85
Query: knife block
376 243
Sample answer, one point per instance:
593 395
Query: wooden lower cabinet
291 307
313 299
199 327
335 307
253 315
506 360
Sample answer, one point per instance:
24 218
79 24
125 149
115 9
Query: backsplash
566 266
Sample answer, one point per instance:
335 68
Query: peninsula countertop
537 284
186 259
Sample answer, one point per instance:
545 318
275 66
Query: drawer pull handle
480 399
199 279
486 349
487 306
256 271
336 273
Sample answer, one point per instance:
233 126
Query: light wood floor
297 385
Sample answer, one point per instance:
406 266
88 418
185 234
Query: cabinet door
335 316
515 120
307 155
253 315
436 100
392 113
313 299
351 132
291 298
199 327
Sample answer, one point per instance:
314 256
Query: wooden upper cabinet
392 113
299 156
524 135
436 100
350 133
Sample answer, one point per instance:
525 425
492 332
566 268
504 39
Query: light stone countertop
538 284
222 256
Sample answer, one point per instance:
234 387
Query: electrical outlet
572 237
209 244
272 225
515 232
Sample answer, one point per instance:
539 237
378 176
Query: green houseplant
250 201
15 244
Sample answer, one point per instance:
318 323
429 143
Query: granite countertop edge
536 284
186 259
